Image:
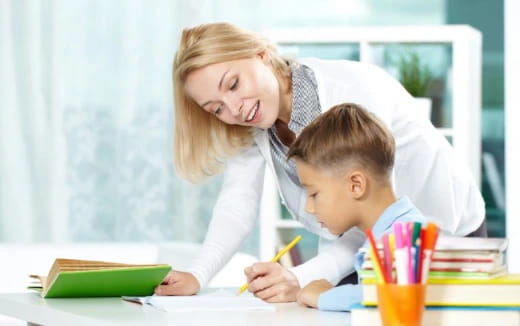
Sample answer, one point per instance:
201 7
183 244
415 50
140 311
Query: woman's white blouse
426 170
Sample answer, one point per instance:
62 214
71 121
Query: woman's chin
265 124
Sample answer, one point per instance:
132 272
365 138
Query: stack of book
459 258
467 282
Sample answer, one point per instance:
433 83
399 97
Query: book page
220 300
66 264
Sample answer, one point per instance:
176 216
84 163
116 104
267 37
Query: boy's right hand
178 283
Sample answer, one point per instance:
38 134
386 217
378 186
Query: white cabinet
367 44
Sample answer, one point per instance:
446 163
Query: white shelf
464 135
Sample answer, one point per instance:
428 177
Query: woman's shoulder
339 66
350 74
352 81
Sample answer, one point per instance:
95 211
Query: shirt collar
305 101
391 214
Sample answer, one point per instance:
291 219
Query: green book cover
99 279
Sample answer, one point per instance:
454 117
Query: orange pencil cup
401 305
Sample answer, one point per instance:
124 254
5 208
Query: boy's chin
338 232
333 232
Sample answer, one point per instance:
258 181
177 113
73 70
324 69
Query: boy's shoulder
403 210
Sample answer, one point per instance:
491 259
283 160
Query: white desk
114 311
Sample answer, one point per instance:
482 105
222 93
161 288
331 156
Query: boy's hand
178 283
271 282
309 295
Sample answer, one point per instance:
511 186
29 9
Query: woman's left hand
272 283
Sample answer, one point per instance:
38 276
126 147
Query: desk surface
114 311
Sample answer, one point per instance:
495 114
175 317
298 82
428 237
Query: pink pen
400 255
408 246
404 235
411 254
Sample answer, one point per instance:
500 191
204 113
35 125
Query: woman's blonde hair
203 142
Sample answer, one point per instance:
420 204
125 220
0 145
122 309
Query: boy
344 160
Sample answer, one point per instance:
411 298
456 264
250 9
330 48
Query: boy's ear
356 182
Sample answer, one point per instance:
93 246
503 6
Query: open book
86 278
220 300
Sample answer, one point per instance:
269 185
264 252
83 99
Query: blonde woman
239 105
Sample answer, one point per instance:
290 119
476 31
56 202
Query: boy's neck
373 208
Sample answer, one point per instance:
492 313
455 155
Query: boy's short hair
344 135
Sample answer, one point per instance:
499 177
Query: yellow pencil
276 258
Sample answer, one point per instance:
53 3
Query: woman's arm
234 214
234 217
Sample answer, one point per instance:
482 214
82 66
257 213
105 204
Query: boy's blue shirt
340 298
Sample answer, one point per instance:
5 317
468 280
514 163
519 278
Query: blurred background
86 109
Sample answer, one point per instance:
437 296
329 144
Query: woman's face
242 92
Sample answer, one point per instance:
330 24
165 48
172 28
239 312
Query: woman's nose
235 105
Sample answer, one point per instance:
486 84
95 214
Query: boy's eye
313 195
234 85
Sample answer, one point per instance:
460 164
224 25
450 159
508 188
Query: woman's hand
271 282
178 283
309 295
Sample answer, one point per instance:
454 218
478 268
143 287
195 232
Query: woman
239 105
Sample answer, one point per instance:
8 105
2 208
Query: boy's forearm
340 298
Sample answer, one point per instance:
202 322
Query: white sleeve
334 262
431 174
234 214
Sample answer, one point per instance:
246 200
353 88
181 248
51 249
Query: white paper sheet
219 300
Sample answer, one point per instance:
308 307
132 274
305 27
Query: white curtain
86 111
86 124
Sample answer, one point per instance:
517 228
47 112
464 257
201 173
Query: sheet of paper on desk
216 301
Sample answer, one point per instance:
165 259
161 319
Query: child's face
242 92
329 198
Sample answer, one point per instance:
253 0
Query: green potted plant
416 79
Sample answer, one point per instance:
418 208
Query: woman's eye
218 110
234 85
